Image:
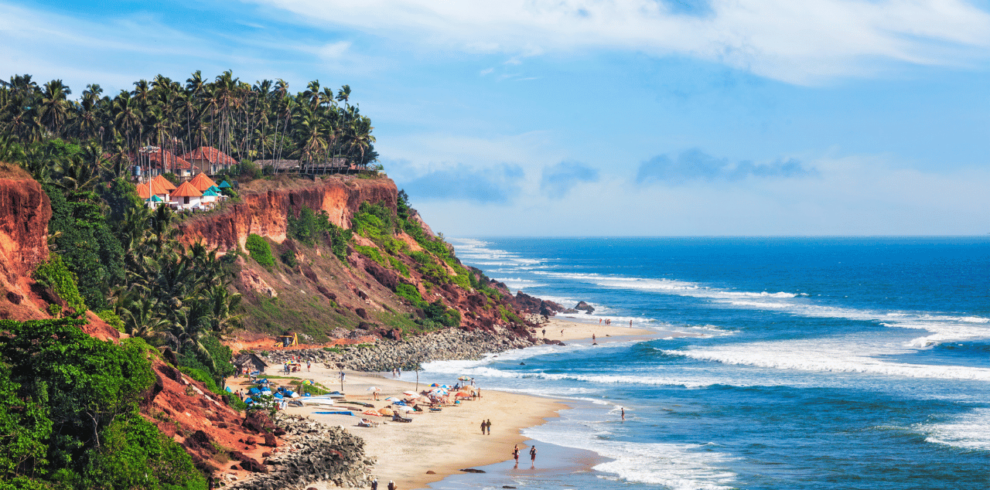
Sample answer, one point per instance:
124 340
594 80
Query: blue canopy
214 189
262 381
225 185
254 391
248 401
229 390
209 193
153 198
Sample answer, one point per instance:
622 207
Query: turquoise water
811 363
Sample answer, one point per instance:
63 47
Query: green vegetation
399 266
310 227
288 258
69 414
375 222
260 251
372 253
112 319
409 292
54 275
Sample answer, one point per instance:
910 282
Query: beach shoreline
446 442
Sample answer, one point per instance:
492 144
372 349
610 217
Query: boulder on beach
585 307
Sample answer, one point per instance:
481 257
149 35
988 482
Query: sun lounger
398 418
367 423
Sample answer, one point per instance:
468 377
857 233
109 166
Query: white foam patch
675 466
851 354
967 431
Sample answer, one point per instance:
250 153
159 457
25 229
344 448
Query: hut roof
210 193
164 183
143 192
201 182
211 155
225 185
186 190
155 198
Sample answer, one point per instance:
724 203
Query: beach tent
254 391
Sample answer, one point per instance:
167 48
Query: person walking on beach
623 414
593 340
391 485
309 365
488 425
544 333
630 323
374 484
483 425
515 454
532 456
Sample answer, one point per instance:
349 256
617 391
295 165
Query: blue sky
588 117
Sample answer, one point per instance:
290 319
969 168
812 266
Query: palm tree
54 109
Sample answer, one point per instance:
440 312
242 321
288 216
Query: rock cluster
444 345
314 452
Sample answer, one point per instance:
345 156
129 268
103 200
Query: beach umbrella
445 387
409 393
464 378
434 385
391 399
462 395
374 389
386 411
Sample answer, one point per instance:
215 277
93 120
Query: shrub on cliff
54 275
372 253
260 251
310 227
374 221
409 292
69 414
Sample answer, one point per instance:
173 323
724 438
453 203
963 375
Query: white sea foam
851 354
675 466
967 431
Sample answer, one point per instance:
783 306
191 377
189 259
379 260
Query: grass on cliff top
13 172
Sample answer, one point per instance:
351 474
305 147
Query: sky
599 117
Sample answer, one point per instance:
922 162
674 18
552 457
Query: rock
14 297
270 440
585 307
361 313
431 472
570 311
253 466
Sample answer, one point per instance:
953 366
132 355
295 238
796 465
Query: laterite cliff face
25 211
266 213
24 214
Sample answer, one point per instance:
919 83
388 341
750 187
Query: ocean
811 362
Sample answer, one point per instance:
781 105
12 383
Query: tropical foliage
263 120
69 414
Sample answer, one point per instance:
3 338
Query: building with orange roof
201 182
143 192
163 183
210 160
186 197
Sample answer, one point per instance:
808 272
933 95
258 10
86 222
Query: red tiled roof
142 191
211 155
172 161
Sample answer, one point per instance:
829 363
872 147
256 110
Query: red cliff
24 215
265 207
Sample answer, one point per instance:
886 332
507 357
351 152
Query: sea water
809 362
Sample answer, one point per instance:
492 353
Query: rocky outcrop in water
314 452
445 345
585 307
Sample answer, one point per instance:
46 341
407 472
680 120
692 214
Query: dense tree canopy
69 414
256 121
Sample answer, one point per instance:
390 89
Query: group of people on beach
486 425
532 455
391 485
396 373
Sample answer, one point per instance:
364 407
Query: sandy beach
445 442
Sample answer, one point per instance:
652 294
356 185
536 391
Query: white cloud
333 51
798 41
